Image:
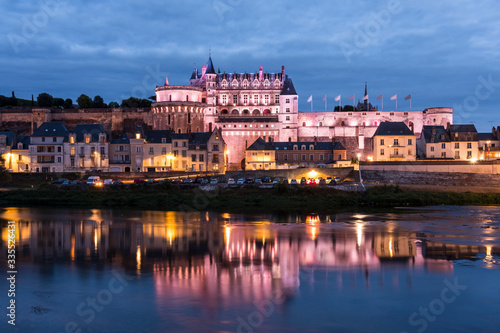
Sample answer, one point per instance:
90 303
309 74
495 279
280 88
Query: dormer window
163 140
256 83
311 147
245 84
72 139
277 84
266 84
87 139
295 147
224 84
234 84
303 147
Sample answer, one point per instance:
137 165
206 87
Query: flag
351 98
394 97
324 98
380 97
408 97
337 98
365 98
309 100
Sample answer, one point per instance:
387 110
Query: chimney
315 140
448 126
289 140
494 131
334 141
283 73
433 130
210 127
261 74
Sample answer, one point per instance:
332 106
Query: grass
247 199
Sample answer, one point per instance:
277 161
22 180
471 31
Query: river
433 269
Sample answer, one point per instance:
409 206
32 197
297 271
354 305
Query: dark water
428 270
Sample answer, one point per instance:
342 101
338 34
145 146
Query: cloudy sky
445 53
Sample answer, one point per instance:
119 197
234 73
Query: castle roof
288 88
210 66
261 144
9 137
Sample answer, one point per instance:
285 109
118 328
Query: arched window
246 111
256 112
180 131
235 112
224 111
267 111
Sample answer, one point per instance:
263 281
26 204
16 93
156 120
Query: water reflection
225 261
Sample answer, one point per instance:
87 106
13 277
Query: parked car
187 181
117 182
139 181
250 180
176 181
322 181
328 180
276 181
59 181
312 181
303 181
337 180
108 181
94 180
75 182
151 181
66 182
203 182
214 181
293 182
258 181
241 181
231 181
267 179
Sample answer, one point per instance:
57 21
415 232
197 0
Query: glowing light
137 135
473 160
313 232
312 219
391 253
312 174
138 257
369 158
359 233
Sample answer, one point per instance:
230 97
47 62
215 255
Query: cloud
435 50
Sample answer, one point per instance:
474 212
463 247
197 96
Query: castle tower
289 111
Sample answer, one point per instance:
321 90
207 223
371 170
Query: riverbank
277 199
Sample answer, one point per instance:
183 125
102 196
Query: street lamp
170 157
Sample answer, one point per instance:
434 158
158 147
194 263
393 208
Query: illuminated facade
246 106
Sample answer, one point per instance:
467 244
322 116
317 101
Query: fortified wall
115 120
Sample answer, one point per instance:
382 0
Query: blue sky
445 53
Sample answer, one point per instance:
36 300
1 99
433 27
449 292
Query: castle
246 106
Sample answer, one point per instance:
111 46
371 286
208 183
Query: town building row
88 147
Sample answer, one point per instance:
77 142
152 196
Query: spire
194 75
210 65
366 89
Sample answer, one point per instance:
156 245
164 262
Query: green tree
45 100
113 105
98 102
134 102
68 103
84 101
58 102
4 174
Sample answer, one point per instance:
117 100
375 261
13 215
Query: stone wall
293 173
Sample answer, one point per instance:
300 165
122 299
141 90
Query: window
59 149
224 99
43 139
410 142
457 155
321 157
87 139
443 146
164 150
138 150
285 157
311 157
396 152
382 152
276 99
396 142
256 99
201 158
54 139
287 109
72 139
184 153
176 153
382 142
176 144
303 147
295 157
72 162
303 157
457 145
443 154
235 99
287 118
102 153
215 148
432 148
193 158
151 151
410 152
469 154
184 144
295 147
72 151
245 99
266 99
469 145
82 151
287 101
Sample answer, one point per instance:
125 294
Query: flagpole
340 103
410 103
326 101
396 103
354 99
382 103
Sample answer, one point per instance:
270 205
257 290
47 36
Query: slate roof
156 136
52 128
260 144
393 128
210 66
9 136
124 140
463 128
25 140
288 88
486 137
94 129
441 134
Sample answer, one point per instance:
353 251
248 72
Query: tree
68 103
113 105
4 174
45 100
84 101
58 102
134 102
98 102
